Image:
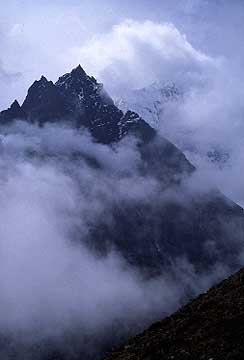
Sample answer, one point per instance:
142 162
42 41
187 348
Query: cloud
51 284
24 49
208 126
8 81
135 54
7 77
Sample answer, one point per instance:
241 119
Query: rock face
210 327
14 112
154 237
150 101
79 99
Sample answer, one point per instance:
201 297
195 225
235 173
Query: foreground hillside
210 327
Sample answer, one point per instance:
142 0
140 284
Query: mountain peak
78 71
81 99
15 105
43 79
43 101
77 76
13 112
40 84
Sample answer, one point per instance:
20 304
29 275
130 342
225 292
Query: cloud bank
135 54
208 124
51 285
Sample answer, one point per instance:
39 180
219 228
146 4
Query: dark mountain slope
43 102
209 328
204 231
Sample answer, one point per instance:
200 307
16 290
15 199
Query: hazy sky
42 37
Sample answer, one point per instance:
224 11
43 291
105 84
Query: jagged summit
76 74
13 112
43 102
15 105
43 79
78 71
78 84
42 82
78 98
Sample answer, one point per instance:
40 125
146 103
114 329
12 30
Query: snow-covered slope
165 106
150 102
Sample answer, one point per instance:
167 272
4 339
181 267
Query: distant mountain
210 327
150 101
155 104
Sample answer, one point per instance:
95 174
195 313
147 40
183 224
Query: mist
190 53
52 284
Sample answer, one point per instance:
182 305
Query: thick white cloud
50 284
215 27
137 53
